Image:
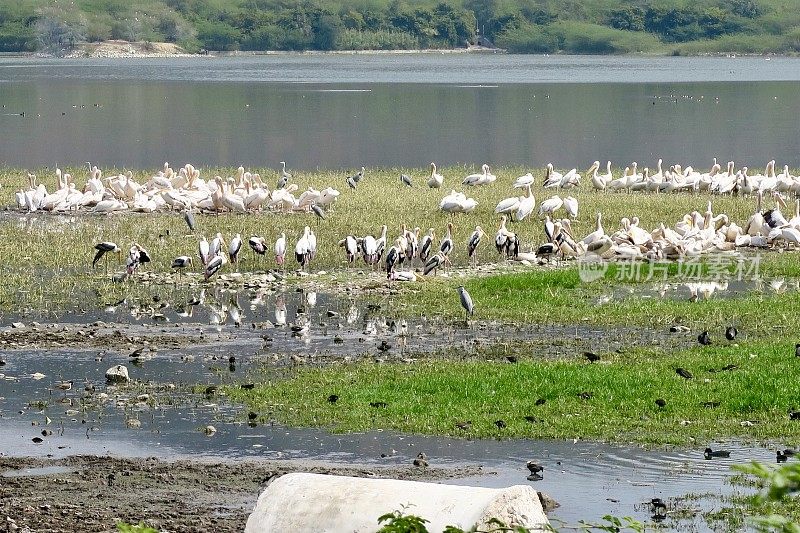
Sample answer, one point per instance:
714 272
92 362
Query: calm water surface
342 111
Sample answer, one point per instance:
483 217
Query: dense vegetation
524 26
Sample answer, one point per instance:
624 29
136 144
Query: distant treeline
523 26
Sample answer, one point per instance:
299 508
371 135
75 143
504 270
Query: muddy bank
91 493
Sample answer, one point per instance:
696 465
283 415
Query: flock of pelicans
694 233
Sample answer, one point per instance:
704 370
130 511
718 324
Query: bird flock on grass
405 253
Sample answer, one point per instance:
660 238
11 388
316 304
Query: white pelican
526 205
508 205
524 181
571 205
480 179
570 179
280 249
596 234
552 178
435 180
550 206
597 180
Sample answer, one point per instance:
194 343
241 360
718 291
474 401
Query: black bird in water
731 333
780 456
592 357
682 372
704 338
708 453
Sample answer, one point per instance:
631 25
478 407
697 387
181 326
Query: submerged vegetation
594 27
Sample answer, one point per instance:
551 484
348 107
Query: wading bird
181 262
466 302
102 248
435 180
214 265
280 250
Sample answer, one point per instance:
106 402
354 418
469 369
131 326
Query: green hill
522 26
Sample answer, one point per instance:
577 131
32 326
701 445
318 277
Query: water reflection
694 291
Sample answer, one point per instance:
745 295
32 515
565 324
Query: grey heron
466 302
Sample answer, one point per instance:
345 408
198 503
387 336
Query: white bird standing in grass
280 249
302 250
435 180
203 251
571 205
233 249
550 206
526 205
350 245
524 181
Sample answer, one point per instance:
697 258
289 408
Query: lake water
344 111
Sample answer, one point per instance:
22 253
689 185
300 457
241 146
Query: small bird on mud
704 338
731 332
682 372
708 453
421 460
